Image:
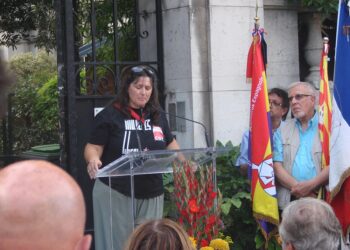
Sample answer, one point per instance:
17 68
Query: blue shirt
243 157
303 166
243 151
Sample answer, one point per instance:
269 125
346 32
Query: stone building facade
206 44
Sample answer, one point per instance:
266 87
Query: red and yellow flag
263 189
325 107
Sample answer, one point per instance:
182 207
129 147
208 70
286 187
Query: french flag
339 172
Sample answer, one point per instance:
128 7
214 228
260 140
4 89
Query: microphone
139 123
190 120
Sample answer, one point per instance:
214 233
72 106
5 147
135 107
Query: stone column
186 65
313 47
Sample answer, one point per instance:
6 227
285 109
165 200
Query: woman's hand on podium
92 155
93 166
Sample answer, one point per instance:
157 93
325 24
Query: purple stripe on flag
268 227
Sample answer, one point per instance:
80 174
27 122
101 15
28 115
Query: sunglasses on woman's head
137 70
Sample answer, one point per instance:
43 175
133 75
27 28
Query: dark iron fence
95 40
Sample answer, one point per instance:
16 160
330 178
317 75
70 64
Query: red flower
195 196
212 195
204 243
207 228
181 220
193 206
212 219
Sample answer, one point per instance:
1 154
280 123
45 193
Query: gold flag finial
256 22
325 44
256 18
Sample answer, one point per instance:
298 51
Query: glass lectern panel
151 162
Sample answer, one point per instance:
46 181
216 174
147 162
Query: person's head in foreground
309 224
41 207
159 235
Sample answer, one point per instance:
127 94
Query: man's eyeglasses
275 104
297 97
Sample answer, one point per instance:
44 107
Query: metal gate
95 40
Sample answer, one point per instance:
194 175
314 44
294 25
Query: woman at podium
133 122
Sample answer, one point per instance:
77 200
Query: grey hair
309 86
310 224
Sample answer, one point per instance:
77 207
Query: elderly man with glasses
297 148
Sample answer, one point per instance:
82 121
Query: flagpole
325 44
264 200
256 18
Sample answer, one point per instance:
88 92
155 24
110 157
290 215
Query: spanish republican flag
325 107
263 189
339 170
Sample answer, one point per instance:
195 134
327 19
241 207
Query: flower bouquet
198 203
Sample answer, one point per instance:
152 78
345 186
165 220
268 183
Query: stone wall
206 45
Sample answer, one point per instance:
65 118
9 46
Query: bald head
41 207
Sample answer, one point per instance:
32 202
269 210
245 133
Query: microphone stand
190 120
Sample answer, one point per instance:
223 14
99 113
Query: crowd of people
42 207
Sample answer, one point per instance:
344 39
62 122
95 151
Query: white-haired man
297 148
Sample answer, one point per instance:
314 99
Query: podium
156 162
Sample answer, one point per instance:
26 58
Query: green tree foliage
46 109
34 21
124 24
35 101
324 6
31 20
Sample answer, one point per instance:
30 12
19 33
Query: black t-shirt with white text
117 133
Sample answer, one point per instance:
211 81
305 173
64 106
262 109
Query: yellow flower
206 248
194 242
219 244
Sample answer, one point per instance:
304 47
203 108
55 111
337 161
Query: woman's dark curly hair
129 75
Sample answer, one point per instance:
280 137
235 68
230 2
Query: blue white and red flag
339 172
